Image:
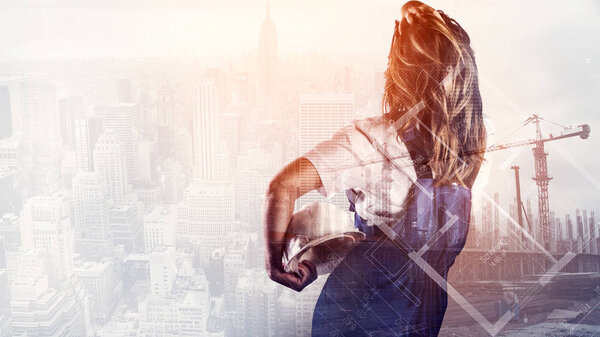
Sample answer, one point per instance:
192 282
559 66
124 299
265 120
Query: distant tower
109 162
69 109
87 130
580 231
207 215
496 223
594 232
205 129
90 214
163 270
569 227
126 122
46 228
6 121
39 110
165 105
267 67
125 90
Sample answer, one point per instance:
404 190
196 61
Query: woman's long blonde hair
431 62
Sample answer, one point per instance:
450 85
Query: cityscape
131 192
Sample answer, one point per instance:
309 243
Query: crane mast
541 177
542 180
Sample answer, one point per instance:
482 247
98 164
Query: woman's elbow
281 186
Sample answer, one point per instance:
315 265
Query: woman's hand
307 274
278 208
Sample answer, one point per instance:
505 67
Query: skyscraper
206 215
87 130
69 109
321 115
125 90
126 122
40 120
110 164
172 181
5 113
38 310
102 283
90 210
46 227
159 228
267 67
205 130
163 270
11 152
165 105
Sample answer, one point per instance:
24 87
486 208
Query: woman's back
393 283
414 210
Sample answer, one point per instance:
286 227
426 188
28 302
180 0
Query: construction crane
541 166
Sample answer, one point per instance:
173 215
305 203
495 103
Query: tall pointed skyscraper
267 68
205 129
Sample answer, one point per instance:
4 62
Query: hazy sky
533 56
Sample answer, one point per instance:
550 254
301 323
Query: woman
409 170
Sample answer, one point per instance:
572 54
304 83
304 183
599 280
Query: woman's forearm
278 208
277 211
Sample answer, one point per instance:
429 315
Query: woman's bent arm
293 181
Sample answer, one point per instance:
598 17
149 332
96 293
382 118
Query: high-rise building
589 227
234 261
255 304
207 214
10 231
5 319
87 131
126 122
126 227
12 189
6 118
258 164
70 109
144 161
228 132
580 231
39 310
184 147
46 227
102 282
173 180
594 231
165 105
241 89
569 227
91 204
205 130
487 225
110 164
148 193
321 116
159 228
163 270
268 68
184 314
496 221
10 152
125 90
41 135
286 313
